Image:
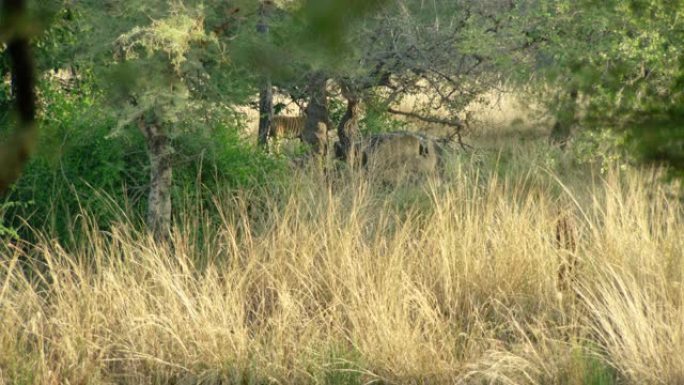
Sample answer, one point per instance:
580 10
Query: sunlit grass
348 282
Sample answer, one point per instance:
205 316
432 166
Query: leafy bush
76 166
377 119
603 147
336 109
79 166
220 158
7 231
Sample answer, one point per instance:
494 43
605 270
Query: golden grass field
342 280
345 281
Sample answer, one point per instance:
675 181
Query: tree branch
456 123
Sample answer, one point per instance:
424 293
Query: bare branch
457 123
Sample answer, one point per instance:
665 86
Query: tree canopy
167 68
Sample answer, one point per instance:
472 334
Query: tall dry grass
350 282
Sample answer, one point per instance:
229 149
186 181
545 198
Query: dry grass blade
352 283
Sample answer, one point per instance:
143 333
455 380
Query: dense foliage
611 70
155 236
618 66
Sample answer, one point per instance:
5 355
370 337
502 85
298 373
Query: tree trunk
562 129
265 113
348 129
159 201
266 92
16 150
317 118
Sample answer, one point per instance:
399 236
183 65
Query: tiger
289 127
285 127
292 127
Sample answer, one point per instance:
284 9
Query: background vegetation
152 239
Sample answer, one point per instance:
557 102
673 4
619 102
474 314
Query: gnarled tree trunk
266 91
348 129
317 118
265 113
160 153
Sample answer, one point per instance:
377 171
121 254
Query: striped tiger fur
289 127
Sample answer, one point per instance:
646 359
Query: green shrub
79 167
220 159
604 147
377 119
75 166
8 231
